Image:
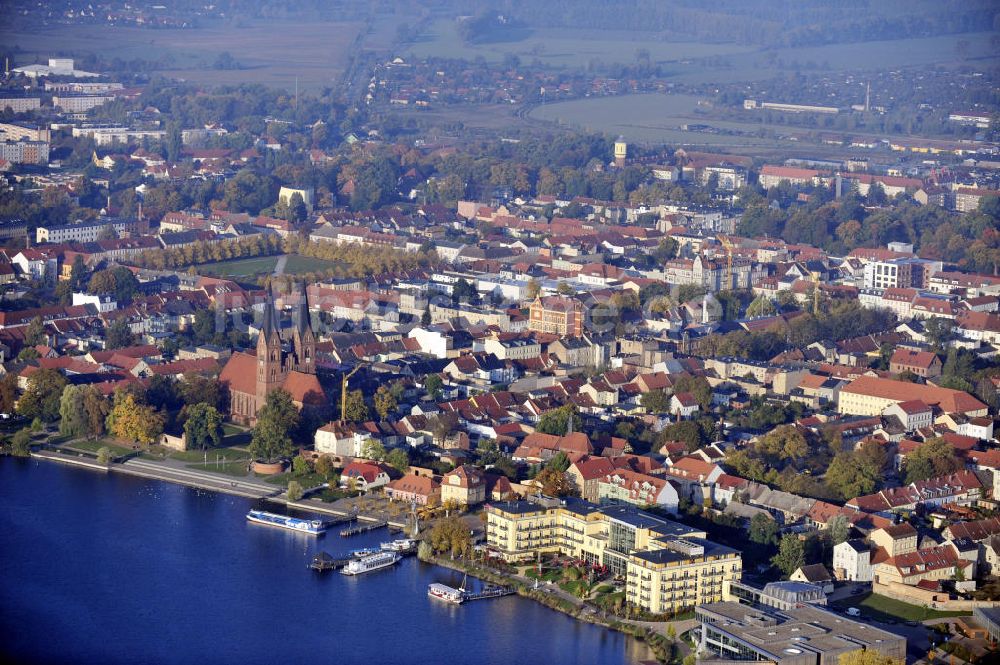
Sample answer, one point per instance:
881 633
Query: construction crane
728 245
815 281
343 392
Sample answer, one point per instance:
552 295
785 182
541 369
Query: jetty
462 595
323 562
488 591
364 528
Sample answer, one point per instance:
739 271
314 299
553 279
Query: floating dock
323 562
364 528
459 596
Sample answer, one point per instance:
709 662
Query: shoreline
657 644
660 646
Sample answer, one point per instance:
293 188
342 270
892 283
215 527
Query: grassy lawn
238 469
307 480
196 456
262 265
881 608
297 264
83 445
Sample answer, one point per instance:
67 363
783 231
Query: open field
270 52
652 118
696 62
570 48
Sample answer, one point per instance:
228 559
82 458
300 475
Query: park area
245 269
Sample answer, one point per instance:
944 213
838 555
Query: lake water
113 569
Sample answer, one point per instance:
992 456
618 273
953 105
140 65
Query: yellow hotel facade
667 566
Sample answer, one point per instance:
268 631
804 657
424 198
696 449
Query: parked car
853 612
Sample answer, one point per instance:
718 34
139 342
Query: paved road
279 267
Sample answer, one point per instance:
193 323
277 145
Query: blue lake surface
113 569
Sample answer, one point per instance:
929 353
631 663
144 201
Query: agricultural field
558 47
651 118
318 59
702 62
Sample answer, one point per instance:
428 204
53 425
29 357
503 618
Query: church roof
240 373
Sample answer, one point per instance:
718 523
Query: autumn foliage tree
133 421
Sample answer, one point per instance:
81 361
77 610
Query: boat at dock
371 563
363 552
462 594
314 527
446 593
402 545
323 562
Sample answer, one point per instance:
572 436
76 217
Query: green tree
433 384
840 529
791 554
687 431
42 396
655 401
271 439
118 335
398 459
698 386
96 407
763 530
20 443
203 427
34 332
532 290
357 410
560 462
295 490
324 467
104 455
557 421
849 476
373 449
935 457
72 414
8 393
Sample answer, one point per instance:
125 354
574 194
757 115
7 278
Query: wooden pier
340 520
364 528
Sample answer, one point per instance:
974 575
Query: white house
339 439
683 405
852 561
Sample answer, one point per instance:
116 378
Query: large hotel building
667 566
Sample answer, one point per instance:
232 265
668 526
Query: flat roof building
804 635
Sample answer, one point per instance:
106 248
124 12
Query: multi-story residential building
556 314
667 566
19 103
967 198
70 103
900 273
25 152
710 273
728 178
803 634
29 131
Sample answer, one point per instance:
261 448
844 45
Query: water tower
621 151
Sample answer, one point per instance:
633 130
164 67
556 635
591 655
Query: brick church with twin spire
277 363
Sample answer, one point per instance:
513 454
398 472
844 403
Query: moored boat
371 563
401 545
445 593
314 527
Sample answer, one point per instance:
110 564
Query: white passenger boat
402 545
370 563
314 527
445 593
